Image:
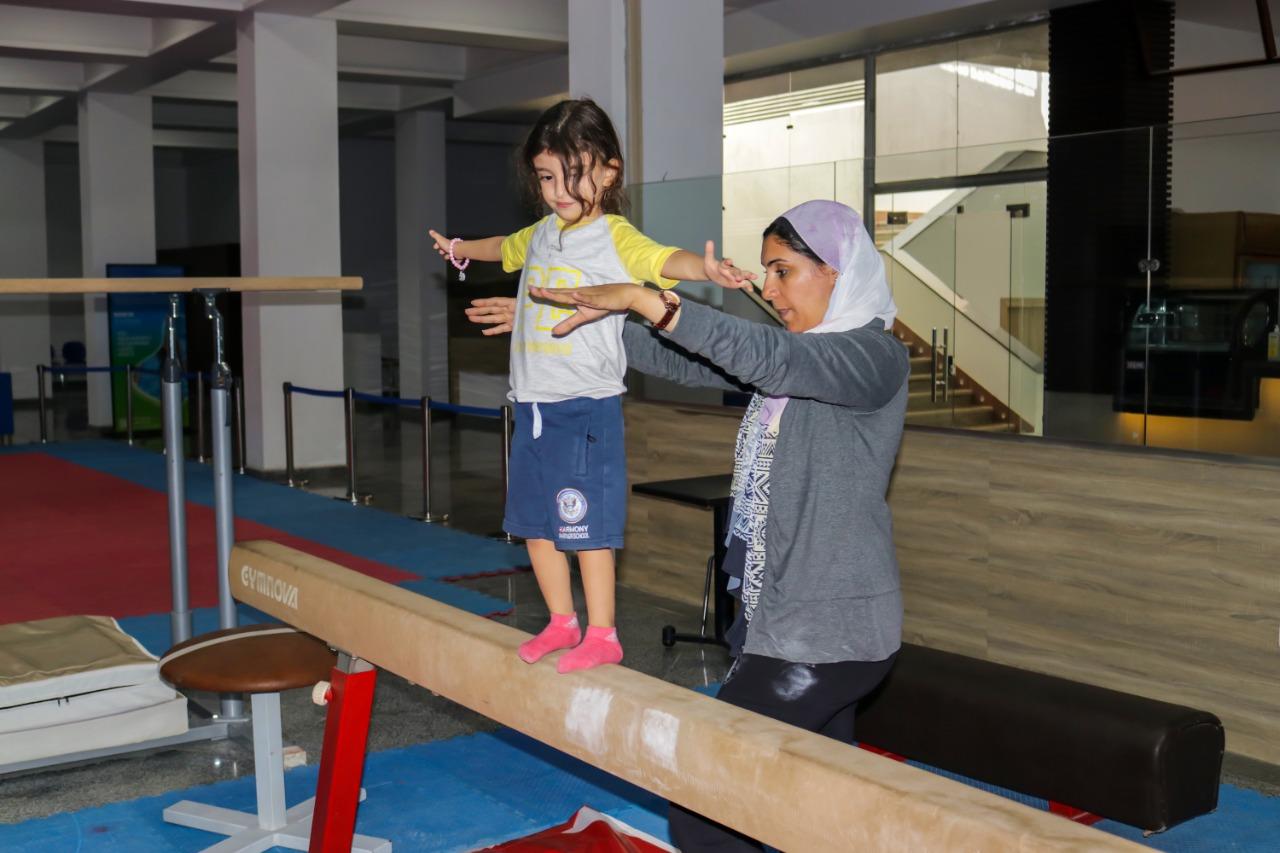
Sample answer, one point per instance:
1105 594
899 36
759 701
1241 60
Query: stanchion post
44 405
507 425
128 404
288 435
427 516
237 422
349 420
199 416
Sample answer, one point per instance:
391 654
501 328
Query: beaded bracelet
460 267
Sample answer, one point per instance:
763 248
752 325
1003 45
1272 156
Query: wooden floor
1152 572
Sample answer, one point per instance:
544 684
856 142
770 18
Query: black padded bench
1142 762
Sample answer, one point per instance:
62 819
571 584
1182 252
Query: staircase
966 407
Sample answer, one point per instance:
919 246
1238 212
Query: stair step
994 426
918 401
958 416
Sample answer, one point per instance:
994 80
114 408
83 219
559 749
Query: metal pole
506 459
869 145
199 416
349 412
175 477
237 420
224 511
128 404
288 435
426 464
44 405
244 448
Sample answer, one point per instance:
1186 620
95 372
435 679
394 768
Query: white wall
24 320
1199 97
1219 162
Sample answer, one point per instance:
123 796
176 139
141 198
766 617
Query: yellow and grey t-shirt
590 362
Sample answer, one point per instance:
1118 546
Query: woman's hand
723 272
591 303
496 312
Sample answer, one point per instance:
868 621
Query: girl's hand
496 312
723 272
442 245
591 303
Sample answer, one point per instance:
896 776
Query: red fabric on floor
587 831
74 540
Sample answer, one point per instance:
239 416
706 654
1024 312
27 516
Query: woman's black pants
819 697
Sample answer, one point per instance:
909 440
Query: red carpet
73 540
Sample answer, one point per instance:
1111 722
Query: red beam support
346 731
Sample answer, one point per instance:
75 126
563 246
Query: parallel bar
175 477
199 416
176 285
789 788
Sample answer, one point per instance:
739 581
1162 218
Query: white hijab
836 234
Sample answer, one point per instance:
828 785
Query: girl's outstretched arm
488 249
686 266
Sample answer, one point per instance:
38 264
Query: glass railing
1119 287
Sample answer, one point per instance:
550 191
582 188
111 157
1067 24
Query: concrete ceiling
483 59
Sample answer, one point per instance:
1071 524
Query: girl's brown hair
579 134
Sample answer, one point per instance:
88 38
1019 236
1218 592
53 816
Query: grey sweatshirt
830 590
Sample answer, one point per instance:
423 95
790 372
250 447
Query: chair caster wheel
668 635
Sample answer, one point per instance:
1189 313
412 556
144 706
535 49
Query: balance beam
787 787
176 285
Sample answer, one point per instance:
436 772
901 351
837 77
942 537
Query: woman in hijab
811 546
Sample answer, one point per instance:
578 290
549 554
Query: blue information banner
137 337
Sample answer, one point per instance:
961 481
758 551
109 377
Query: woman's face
797 288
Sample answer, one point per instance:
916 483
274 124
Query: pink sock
600 646
561 633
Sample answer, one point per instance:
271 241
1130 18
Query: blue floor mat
477 790
453 795
426 550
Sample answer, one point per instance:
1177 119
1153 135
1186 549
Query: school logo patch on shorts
572 505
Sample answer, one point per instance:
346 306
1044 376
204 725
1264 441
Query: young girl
567 482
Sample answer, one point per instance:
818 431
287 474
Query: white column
676 159
24 320
287 82
598 57
680 94
422 306
117 213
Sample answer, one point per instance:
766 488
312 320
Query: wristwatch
673 304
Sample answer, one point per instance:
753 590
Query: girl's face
596 177
797 288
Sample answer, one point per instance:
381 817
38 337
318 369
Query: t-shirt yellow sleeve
515 248
642 257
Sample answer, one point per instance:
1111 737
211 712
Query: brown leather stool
260 660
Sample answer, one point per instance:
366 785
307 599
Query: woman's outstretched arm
646 350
